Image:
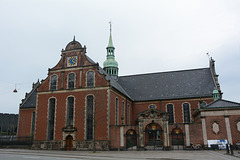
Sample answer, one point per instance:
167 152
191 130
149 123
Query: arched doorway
177 139
131 139
153 136
69 143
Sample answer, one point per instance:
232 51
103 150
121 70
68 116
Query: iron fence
14 140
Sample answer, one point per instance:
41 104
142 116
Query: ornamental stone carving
215 128
238 126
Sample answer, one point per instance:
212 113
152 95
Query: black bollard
231 149
227 148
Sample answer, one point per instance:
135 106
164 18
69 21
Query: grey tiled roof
221 103
113 82
169 85
31 98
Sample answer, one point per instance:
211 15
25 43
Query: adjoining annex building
80 103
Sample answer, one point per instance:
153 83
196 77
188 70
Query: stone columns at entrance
141 132
165 134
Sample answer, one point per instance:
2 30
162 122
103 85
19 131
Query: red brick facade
119 120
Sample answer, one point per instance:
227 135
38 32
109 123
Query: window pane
116 112
186 113
90 79
70 110
53 82
71 80
170 113
51 119
89 117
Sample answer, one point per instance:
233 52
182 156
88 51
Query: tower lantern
110 65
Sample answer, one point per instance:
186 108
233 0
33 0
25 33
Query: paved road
16 154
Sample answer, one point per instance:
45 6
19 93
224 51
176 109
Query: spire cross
110 26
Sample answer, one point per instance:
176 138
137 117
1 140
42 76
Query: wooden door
69 143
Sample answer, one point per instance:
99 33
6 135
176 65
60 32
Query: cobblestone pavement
19 154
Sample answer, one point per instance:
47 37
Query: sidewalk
129 155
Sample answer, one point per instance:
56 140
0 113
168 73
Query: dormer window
53 82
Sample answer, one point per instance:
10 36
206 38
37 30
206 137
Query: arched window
90 79
71 81
70 110
51 119
128 114
89 127
123 113
152 106
170 113
116 112
53 82
186 112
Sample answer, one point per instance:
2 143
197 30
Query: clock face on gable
72 61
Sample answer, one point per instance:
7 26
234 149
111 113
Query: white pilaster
187 135
121 136
204 131
229 135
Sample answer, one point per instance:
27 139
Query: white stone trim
228 129
187 135
220 113
204 131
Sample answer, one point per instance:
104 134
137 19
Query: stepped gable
31 97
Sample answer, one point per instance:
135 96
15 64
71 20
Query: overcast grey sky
149 36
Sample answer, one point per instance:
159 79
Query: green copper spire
110 43
110 65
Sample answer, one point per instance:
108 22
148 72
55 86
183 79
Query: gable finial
74 38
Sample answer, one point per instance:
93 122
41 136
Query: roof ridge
164 72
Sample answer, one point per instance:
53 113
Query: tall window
51 119
89 127
186 113
170 113
53 82
90 79
128 114
33 123
116 112
70 110
71 81
123 113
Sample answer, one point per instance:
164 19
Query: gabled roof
221 103
169 85
30 98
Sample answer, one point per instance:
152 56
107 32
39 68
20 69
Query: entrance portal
131 139
153 136
69 143
177 139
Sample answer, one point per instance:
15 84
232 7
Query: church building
81 106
